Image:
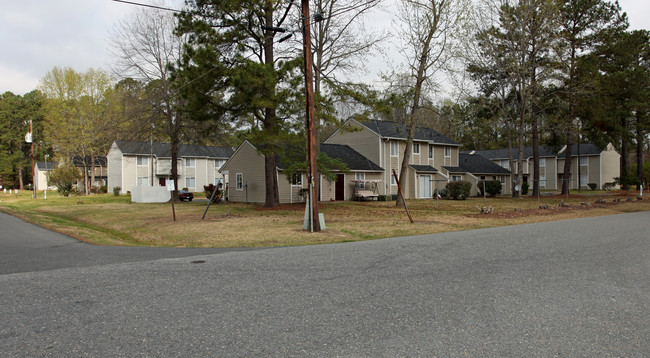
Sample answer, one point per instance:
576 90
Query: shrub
64 178
609 186
524 189
209 189
626 180
492 187
459 190
116 190
593 186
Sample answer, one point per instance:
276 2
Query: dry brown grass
105 219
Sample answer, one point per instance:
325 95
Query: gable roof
164 150
353 159
544 151
50 165
396 130
478 164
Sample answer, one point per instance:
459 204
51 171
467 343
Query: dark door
340 187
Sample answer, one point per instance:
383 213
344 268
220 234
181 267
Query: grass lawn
113 220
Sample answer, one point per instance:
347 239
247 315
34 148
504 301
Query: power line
147 5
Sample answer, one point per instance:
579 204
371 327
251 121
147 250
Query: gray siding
363 141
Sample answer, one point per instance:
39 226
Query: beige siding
609 165
114 159
327 189
363 141
349 184
250 163
289 194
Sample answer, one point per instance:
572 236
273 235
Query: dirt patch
546 210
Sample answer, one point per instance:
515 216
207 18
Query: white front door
425 186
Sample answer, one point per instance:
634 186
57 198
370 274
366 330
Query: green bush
593 186
459 190
116 190
492 187
524 189
64 177
626 180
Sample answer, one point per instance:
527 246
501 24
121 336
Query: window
143 181
239 181
430 151
447 152
360 176
296 180
584 161
416 148
542 180
542 162
394 149
190 182
456 178
143 160
190 163
505 163
218 163
392 179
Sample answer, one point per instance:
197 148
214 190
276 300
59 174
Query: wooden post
311 117
399 187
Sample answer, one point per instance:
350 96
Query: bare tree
146 44
428 35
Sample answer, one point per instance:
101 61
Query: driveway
570 288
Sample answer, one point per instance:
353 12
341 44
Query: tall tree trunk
640 140
271 198
625 154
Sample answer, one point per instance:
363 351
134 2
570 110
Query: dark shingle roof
477 164
455 169
77 161
387 129
353 159
544 151
585 149
163 150
423 168
50 165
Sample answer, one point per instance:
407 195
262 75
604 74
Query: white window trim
360 176
447 149
431 151
187 184
237 181
188 160
396 150
291 180
418 146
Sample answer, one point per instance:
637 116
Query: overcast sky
37 35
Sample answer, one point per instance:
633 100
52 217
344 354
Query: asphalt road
578 288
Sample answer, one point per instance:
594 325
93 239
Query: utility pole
312 174
29 139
